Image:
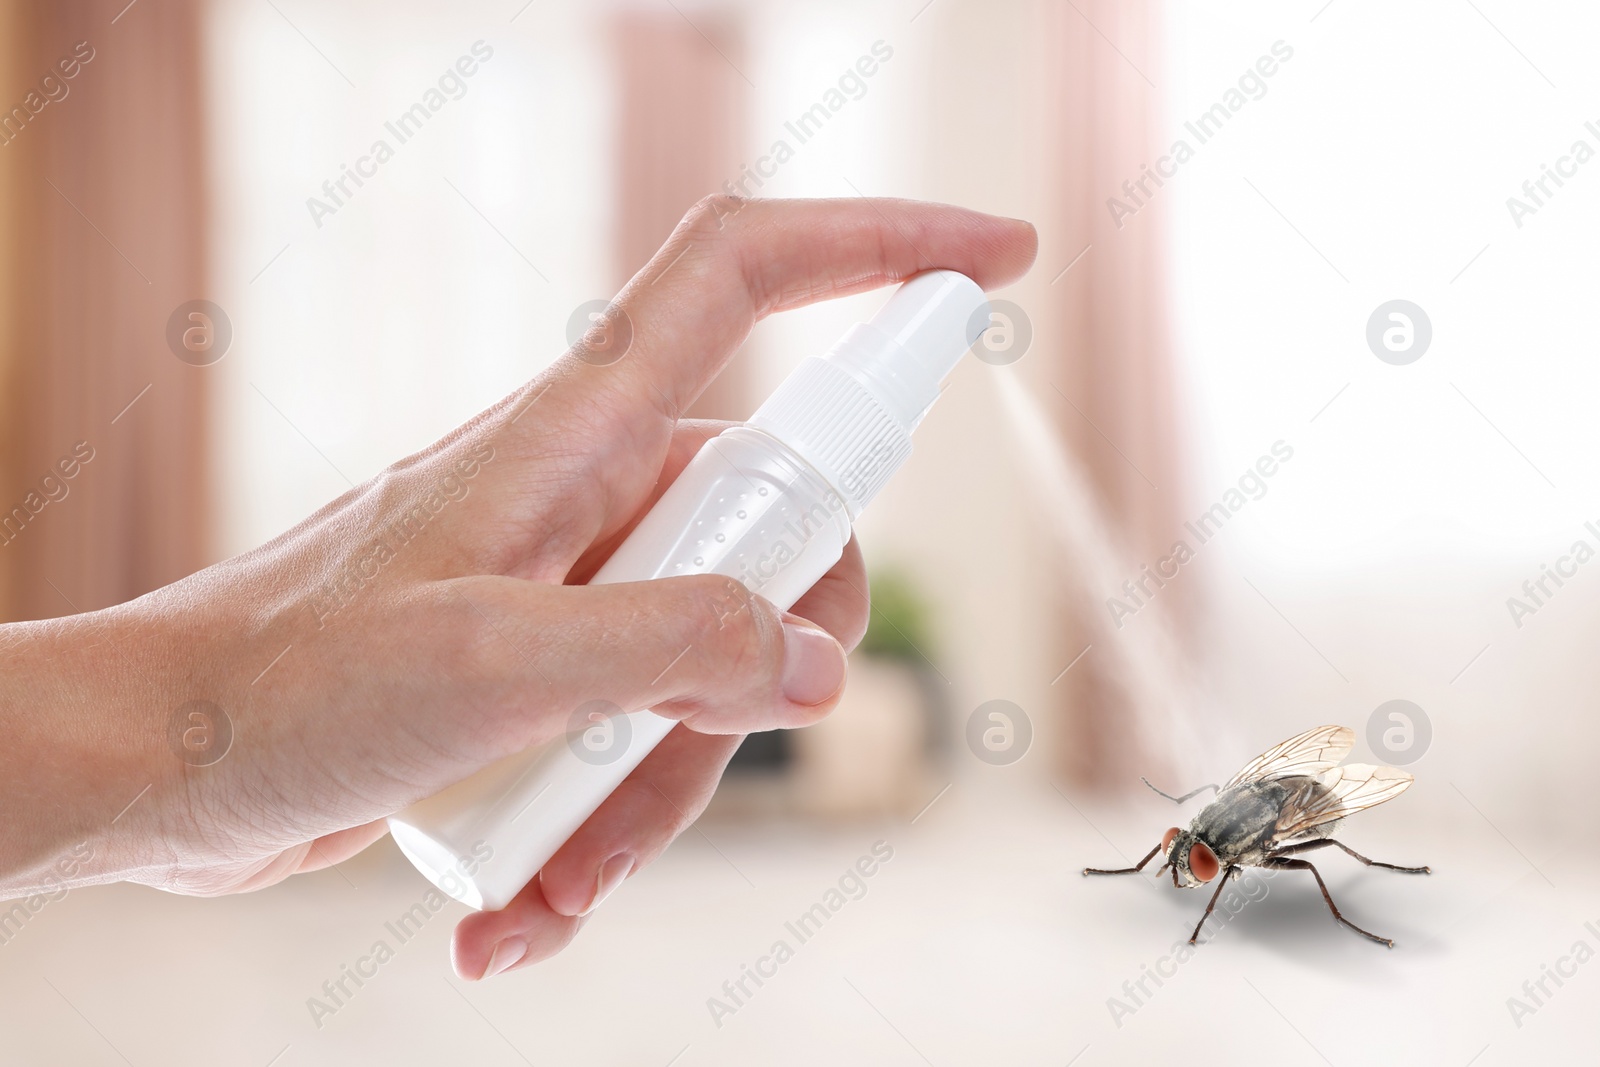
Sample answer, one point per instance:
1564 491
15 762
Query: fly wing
1335 794
1310 754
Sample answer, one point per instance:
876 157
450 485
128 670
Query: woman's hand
435 619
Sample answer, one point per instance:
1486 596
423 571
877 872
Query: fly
1286 801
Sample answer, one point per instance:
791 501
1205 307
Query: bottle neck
841 426
887 372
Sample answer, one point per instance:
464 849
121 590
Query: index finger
732 261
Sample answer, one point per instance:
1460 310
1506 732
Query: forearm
82 730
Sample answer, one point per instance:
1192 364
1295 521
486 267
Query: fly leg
1126 870
1307 846
1281 863
1222 883
1178 800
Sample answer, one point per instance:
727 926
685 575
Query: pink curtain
681 109
102 172
1110 379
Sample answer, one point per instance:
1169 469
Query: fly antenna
1178 800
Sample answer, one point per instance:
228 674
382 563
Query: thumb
702 649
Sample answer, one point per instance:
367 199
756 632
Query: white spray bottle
769 503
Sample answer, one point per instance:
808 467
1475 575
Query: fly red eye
1166 840
1203 862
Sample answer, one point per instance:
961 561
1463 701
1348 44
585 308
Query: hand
435 620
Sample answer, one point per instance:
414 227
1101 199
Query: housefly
1286 801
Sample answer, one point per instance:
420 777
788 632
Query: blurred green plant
899 626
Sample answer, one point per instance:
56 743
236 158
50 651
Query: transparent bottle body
745 507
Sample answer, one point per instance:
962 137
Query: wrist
80 712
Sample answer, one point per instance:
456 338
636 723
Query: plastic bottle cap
850 413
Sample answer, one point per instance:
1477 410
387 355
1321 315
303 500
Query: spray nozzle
850 414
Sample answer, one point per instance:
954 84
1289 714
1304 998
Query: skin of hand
434 619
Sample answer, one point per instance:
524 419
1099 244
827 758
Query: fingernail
813 663
612 873
506 954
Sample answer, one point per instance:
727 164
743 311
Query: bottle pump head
850 413
917 338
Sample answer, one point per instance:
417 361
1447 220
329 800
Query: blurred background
1310 303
